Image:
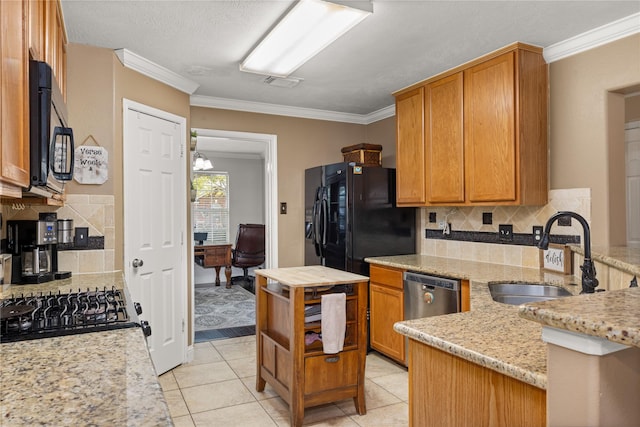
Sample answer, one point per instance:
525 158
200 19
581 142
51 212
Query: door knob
137 263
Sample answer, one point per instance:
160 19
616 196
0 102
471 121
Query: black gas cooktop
43 315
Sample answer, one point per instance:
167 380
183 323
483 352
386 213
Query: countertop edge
620 257
558 314
527 376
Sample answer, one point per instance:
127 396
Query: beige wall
632 109
90 105
588 390
302 143
383 132
97 83
579 133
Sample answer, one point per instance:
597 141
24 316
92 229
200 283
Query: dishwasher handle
432 281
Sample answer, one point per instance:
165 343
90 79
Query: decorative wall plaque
557 259
91 164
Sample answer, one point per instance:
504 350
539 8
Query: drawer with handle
329 371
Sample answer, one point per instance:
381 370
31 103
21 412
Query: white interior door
632 139
154 226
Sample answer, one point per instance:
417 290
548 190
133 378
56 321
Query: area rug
217 307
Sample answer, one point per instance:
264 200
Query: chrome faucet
589 281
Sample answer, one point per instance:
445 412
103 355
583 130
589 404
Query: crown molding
588 40
151 69
382 113
284 110
593 38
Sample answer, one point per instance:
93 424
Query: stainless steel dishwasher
426 296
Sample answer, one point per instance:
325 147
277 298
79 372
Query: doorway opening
250 162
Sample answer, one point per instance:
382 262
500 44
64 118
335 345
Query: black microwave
51 139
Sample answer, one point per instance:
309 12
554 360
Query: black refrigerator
351 214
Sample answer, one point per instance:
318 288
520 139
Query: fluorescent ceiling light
308 28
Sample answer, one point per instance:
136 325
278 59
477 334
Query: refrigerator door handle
324 215
316 229
316 222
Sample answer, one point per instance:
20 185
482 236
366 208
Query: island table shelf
303 375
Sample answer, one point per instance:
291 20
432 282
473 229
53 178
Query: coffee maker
33 244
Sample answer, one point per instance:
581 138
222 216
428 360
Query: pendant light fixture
201 163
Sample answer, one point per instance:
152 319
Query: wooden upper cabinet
31 29
55 38
444 140
410 159
14 99
37 27
489 132
485 131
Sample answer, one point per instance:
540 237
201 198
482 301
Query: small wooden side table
215 256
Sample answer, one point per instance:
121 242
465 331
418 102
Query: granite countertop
502 337
80 281
621 257
492 334
98 378
471 270
612 315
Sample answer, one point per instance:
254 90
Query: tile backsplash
94 212
523 218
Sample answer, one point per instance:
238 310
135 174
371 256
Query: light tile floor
218 389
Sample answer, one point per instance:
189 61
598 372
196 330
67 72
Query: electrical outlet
283 208
432 217
505 232
537 233
441 225
487 218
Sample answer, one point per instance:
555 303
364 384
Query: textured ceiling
401 43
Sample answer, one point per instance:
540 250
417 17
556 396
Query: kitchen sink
522 293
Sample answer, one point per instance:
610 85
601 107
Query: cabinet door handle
332 359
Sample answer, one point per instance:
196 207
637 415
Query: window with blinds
211 208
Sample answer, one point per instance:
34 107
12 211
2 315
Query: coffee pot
34 250
36 261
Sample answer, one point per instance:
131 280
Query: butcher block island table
303 374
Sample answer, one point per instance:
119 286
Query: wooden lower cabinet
447 391
386 307
302 374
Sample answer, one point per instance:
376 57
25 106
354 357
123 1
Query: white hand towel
334 322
